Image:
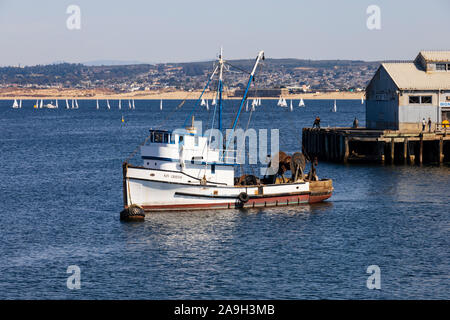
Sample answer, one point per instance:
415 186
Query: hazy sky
35 32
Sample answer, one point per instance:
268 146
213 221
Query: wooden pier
382 146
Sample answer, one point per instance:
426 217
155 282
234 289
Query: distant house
401 94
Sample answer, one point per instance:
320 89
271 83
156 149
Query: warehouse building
402 94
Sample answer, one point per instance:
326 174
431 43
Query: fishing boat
50 106
182 170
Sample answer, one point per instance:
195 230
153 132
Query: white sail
107 104
133 105
280 102
160 105
291 107
76 103
259 101
42 104
73 104
67 104
246 107
56 103
207 105
15 104
129 104
213 103
301 103
20 104
98 107
120 104
203 103
37 104
334 109
362 100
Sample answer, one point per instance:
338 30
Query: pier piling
347 145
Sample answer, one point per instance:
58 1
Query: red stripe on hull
252 203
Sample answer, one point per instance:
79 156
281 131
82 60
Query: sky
35 32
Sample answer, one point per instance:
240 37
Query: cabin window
414 99
420 99
426 99
213 169
440 66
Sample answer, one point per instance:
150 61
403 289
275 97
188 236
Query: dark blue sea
61 195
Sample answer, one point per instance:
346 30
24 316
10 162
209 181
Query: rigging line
201 95
242 70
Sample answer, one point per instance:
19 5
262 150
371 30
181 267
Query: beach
102 94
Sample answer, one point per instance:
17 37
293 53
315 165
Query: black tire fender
243 197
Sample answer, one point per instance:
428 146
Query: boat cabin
187 152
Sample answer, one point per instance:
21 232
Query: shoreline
102 94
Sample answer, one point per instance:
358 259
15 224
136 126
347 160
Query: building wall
382 102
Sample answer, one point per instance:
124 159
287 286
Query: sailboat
301 103
67 104
129 104
98 107
20 104
76 103
171 178
107 104
291 107
213 103
41 105
120 104
56 103
133 105
259 101
15 104
246 106
160 105
203 103
73 103
207 105
362 100
334 109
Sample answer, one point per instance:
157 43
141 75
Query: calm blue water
61 196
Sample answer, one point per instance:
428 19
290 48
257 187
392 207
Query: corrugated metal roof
436 55
408 77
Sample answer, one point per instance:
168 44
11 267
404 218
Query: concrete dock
347 145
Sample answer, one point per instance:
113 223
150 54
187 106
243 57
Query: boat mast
220 87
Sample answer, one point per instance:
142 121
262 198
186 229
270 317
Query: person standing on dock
423 124
429 124
316 123
355 123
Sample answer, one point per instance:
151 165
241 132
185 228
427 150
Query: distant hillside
319 74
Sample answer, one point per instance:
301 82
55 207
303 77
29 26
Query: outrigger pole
252 74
